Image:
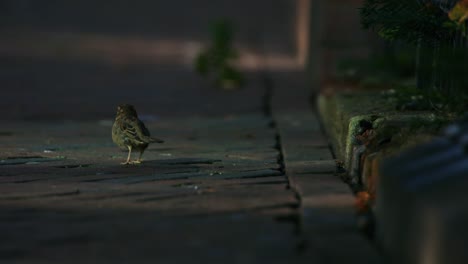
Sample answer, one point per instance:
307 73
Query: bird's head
126 109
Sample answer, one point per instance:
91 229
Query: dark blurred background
78 59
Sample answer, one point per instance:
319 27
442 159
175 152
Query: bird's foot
136 162
125 163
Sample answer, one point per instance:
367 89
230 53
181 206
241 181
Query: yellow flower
459 13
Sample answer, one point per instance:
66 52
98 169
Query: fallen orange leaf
362 201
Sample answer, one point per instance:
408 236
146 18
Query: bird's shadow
180 161
155 170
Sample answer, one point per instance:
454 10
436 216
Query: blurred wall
335 34
288 33
260 23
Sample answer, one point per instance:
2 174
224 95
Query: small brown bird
128 132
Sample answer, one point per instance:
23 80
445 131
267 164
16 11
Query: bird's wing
132 129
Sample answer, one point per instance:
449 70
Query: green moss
349 137
394 130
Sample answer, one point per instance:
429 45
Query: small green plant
216 62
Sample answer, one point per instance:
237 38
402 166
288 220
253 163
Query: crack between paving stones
47 195
294 218
268 112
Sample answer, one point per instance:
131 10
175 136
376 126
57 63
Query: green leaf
202 65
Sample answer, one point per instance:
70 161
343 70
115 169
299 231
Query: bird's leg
129 154
138 161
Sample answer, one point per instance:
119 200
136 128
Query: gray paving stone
327 223
214 192
151 237
312 166
87 205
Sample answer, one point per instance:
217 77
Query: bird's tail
156 140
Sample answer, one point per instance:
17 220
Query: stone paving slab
223 204
212 192
142 237
327 203
216 191
328 220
